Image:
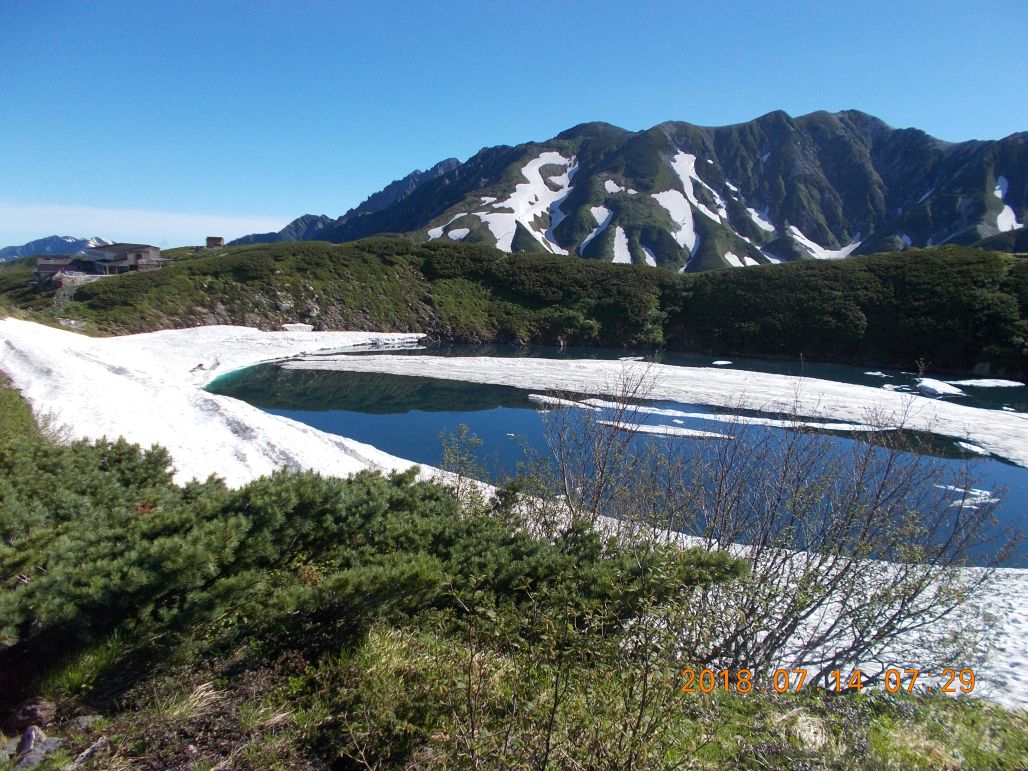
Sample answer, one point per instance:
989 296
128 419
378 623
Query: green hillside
950 308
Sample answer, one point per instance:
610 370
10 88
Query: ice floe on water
646 428
932 387
876 373
987 383
970 497
556 401
720 363
973 448
753 420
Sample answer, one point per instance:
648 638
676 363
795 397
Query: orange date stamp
795 680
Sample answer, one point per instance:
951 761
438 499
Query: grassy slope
952 307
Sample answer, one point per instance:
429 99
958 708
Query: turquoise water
410 416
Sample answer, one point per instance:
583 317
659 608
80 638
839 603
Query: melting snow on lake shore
1002 434
149 389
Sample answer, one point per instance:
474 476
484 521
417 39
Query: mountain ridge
777 188
51 245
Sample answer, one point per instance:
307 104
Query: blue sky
164 122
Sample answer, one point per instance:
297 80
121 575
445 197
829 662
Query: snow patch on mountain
531 200
613 187
651 258
435 233
621 253
681 214
761 219
739 262
1006 219
458 234
684 165
817 251
603 216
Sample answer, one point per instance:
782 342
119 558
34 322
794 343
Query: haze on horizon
163 124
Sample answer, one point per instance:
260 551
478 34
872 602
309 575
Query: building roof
124 247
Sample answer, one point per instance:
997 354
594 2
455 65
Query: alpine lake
412 417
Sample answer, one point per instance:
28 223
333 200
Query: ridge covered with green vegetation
952 308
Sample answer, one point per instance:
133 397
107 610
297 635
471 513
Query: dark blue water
412 417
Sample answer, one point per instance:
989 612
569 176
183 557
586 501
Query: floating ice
932 387
987 383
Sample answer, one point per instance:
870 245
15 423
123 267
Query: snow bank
1002 434
458 234
148 388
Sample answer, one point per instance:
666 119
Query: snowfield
149 389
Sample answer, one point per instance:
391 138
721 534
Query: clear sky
164 122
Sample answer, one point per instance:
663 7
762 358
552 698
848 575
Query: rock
34 748
84 721
35 711
100 747
33 735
